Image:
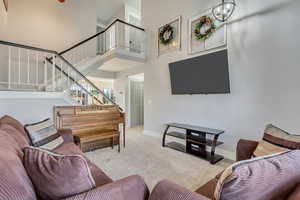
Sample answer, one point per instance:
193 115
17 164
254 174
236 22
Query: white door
136 103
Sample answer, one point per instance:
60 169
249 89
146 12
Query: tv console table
196 141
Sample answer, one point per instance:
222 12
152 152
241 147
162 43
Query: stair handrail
100 33
63 59
72 79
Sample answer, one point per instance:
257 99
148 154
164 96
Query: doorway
136 100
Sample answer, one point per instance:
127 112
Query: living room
250 128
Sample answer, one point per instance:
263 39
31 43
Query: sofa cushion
276 140
15 134
57 176
296 194
16 124
99 176
14 181
44 135
263 178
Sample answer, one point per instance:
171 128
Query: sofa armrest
130 188
245 149
166 190
66 135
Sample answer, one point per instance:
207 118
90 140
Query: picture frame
176 23
5 2
217 40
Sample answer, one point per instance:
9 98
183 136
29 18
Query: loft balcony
119 40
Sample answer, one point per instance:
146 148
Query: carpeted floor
145 156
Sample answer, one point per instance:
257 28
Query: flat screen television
207 74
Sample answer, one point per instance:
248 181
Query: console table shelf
208 142
196 141
177 146
177 135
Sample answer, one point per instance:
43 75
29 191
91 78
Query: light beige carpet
144 156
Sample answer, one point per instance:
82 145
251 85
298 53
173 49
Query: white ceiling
106 9
117 65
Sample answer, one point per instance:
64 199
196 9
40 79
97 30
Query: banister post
53 73
9 68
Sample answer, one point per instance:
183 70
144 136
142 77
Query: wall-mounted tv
206 74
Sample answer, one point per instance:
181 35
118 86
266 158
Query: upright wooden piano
94 127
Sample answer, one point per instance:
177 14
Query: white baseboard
152 133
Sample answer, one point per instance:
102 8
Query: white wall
103 74
30 107
263 45
120 14
48 23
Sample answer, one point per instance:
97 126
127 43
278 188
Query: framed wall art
169 36
206 33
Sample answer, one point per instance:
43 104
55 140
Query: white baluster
28 66
53 72
19 80
37 69
45 72
68 77
61 74
9 67
82 96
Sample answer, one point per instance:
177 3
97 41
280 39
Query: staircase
36 69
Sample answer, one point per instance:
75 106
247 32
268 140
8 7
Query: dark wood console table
196 141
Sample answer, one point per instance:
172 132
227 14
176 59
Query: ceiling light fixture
223 11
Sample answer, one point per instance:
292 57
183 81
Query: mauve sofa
16 185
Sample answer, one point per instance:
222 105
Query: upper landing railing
119 35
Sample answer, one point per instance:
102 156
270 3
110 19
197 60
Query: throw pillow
57 176
270 177
276 140
296 194
44 135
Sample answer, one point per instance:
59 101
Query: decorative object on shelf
223 11
206 33
166 35
5 2
204 28
169 36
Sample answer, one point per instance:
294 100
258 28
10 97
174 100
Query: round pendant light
223 11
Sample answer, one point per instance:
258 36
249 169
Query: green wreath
166 35
204 20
